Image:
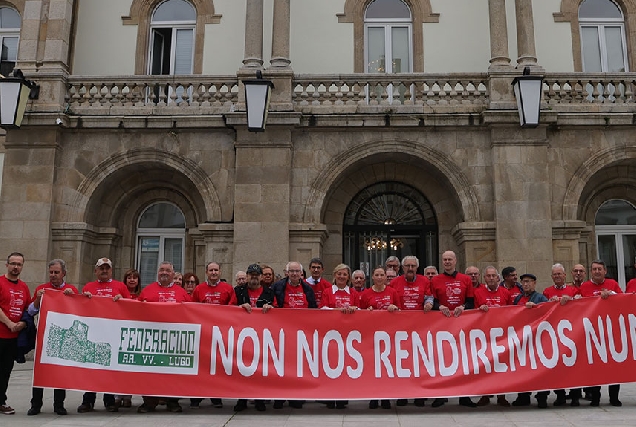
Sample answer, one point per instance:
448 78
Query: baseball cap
531 276
103 261
254 268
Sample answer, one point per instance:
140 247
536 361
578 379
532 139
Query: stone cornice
474 232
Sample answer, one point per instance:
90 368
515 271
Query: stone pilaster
262 194
26 198
253 35
525 33
522 200
305 243
499 56
280 34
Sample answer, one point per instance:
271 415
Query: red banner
199 350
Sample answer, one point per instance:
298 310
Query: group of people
394 286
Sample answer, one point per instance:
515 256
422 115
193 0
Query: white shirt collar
335 289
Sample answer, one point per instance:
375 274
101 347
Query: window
10 36
616 239
172 38
388 37
160 237
603 44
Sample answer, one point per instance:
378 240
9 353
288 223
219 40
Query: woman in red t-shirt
380 297
131 280
190 281
343 297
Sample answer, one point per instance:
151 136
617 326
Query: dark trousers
8 351
596 392
37 395
90 397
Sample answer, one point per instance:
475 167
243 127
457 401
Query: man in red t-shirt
453 293
213 291
578 275
600 286
163 290
486 296
560 292
14 299
104 287
57 273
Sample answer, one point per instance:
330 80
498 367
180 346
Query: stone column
280 34
499 55
525 33
28 191
253 34
262 194
523 213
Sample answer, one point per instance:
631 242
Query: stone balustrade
167 94
585 88
345 93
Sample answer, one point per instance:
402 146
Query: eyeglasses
191 281
294 271
409 266
267 274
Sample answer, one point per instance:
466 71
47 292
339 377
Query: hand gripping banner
199 350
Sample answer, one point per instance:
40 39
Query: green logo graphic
157 347
73 344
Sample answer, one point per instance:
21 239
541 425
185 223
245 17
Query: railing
585 88
393 90
98 93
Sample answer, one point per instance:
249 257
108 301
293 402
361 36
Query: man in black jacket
253 295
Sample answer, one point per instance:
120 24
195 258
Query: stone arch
581 187
354 13
446 169
15 4
570 13
141 14
149 163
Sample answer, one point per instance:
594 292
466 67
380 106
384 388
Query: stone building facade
146 166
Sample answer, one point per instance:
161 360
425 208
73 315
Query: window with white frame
160 237
172 38
615 228
603 44
9 36
388 37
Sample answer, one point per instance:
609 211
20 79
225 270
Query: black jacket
26 338
279 291
242 297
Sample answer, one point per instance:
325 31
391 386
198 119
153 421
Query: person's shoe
217 403
112 408
296 404
241 405
483 401
501 401
85 407
278 404
194 405
560 401
260 405
595 402
60 410
542 403
331 404
465 401
575 402
401 402
6 410
438 402
34 410
521 401
143 408
419 402
373 404
385 404
126 403
616 402
341 404
174 407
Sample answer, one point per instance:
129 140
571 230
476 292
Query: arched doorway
389 218
615 226
160 237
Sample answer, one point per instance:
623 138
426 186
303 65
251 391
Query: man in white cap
104 287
